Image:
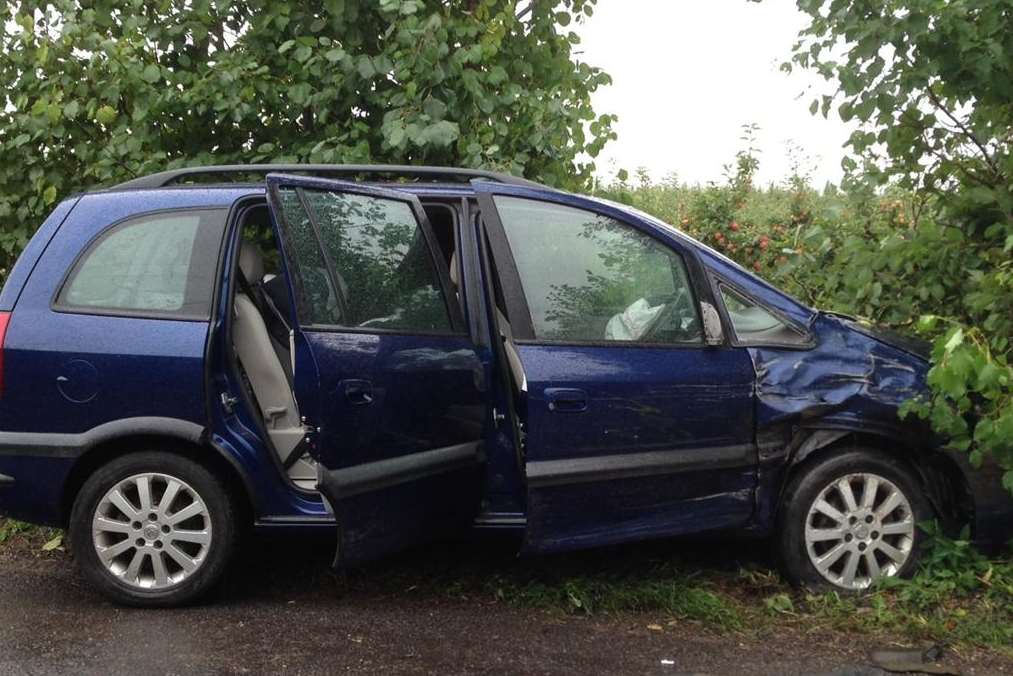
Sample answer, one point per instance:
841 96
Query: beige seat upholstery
262 364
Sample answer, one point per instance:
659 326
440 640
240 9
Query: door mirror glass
714 335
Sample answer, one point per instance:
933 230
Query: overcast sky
689 73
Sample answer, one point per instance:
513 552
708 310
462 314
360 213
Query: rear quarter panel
118 367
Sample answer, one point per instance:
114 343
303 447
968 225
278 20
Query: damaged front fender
848 373
849 383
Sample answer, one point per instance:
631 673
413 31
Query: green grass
23 534
671 593
9 528
959 597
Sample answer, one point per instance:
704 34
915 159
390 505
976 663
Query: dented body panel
847 383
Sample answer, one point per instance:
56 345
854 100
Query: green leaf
955 340
55 543
397 135
285 46
442 133
49 194
105 115
152 73
365 67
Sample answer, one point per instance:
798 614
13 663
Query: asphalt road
282 611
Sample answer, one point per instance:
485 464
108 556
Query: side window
384 276
160 264
588 277
754 324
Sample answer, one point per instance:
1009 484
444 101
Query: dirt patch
282 610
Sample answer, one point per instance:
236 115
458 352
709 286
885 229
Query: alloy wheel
859 528
152 531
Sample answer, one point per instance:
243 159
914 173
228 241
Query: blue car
402 354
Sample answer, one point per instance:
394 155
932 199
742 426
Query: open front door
385 371
634 426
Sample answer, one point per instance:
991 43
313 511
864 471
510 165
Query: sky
687 74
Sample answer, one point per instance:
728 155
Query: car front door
385 374
635 426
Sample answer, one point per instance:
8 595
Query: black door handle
357 392
566 400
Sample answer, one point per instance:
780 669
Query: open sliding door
385 372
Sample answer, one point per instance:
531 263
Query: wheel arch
168 435
939 475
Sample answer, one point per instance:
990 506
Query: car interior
263 338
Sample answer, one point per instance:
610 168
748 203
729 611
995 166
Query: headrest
251 263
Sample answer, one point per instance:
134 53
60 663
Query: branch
965 131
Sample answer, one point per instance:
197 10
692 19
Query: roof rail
164 178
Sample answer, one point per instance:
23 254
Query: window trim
55 305
808 339
274 184
526 336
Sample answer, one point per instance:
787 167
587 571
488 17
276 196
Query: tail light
5 317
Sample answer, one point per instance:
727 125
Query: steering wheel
677 316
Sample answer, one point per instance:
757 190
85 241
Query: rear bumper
31 488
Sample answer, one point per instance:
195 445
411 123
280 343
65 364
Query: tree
931 82
97 91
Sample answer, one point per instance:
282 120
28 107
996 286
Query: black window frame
59 305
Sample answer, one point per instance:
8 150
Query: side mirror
714 334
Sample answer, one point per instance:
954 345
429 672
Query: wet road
284 612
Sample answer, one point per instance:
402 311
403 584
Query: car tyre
186 519
826 539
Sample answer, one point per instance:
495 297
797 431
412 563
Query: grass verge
960 597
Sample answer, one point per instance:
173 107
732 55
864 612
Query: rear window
160 265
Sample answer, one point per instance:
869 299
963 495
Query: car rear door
386 374
635 427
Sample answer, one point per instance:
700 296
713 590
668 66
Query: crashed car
402 354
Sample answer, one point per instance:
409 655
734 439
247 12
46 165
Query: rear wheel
153 529
851 519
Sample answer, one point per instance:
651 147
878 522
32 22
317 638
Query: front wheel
851 519
153 529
